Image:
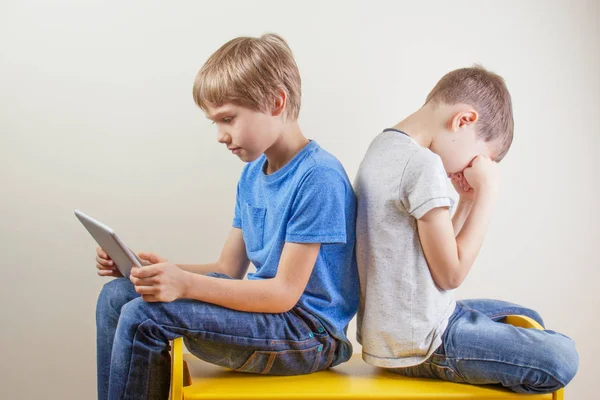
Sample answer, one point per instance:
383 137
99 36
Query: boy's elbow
277 298
449 280
284 299
282 309
281 306
450 283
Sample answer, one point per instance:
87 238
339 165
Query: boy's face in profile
459 145
457 152
246 133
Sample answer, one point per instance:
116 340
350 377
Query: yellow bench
192 378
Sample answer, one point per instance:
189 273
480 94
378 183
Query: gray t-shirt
402 313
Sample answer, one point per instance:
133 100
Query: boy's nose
223 137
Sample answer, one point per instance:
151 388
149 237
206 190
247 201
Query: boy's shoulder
396 165
323 161
311 161
395 152
424 159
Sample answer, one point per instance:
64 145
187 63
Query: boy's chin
247 158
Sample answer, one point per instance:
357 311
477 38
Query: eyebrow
218 114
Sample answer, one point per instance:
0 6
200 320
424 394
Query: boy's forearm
201 269
460 215
470 238
264 295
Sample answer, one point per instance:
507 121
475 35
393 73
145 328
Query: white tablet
123 258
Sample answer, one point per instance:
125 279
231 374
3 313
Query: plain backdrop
96 113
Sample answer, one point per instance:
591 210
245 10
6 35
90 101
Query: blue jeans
133 341
478 348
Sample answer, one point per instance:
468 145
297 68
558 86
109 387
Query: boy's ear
464 118
280 103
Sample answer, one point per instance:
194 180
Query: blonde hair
249 72
488 94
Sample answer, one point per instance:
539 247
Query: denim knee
142 319
138 311
114 295
134 311
559 360
565 359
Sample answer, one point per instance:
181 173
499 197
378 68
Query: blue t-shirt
309 200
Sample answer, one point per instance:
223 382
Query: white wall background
96 113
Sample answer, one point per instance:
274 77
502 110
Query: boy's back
398 181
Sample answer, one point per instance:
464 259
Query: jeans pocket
253 226
285 362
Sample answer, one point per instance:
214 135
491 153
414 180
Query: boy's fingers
142 281
102 253
146 272
153 258
103 267
106 263
149 298
146 256
146 290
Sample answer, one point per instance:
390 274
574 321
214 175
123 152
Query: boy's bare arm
465 195
167 282
233 260
450 258
275 295
460 215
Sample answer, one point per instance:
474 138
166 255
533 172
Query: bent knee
560 361
566 358
114 295
134 309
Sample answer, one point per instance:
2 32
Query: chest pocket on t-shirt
253 227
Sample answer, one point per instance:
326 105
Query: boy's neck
422 126
289 143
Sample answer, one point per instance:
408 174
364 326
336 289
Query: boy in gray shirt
411 254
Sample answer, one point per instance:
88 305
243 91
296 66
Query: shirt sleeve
237 215
318 211
424 184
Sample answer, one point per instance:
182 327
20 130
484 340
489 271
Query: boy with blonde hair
411 255
294 220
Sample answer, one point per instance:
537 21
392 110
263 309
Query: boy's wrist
486 192
466 200
187 281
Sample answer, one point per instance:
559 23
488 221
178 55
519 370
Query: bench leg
559 395
179 371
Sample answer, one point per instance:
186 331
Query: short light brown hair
248 72
488 94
